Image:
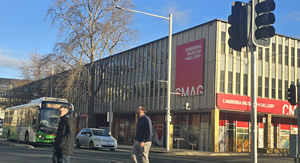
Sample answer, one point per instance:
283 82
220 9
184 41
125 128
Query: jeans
137 149
60 158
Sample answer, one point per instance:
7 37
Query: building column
267 130
214 132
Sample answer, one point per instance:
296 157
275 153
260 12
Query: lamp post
168 116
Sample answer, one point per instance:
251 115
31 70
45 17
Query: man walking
143 136
64 140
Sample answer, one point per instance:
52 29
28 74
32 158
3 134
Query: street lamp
168 116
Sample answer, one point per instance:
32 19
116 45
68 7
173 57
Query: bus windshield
49 118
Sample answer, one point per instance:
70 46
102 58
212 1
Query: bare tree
89 30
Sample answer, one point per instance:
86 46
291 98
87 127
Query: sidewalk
189 152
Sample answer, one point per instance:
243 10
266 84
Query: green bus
35 122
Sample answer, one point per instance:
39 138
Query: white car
95 138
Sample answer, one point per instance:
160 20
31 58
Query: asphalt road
11 152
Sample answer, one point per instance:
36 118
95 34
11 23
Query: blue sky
23 28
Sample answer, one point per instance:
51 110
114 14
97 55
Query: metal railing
182 139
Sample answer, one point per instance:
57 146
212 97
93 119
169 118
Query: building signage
243 103
189 68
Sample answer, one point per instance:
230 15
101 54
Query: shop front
276 121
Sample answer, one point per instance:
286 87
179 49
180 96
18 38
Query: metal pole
109 118
168 118
253 105
52 72
298 120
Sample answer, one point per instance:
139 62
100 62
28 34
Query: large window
222 81
260 55
259 91
293 56
267 54
266 87
230 82
245 85
279 89
223 42
238 83
298 57
273 88
286 86
273 53
280 54
286 55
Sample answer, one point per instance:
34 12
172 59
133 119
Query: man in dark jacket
64 140
143 136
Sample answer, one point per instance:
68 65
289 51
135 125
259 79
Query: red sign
189 68
243 103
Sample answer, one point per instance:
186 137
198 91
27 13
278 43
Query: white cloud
9 62
294 16
181 17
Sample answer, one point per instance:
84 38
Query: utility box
293 145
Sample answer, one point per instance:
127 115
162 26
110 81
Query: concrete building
213 79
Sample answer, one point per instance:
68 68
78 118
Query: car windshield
100 133
49 118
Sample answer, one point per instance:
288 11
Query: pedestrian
143 136
64 140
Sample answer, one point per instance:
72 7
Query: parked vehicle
95 138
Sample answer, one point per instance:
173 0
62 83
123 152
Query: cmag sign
243 103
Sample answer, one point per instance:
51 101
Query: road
11 152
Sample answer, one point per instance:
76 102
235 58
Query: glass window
245 85
293 56
266 87
259 91
238 54
238 83
286 86
230 82
223 43
273 87
222 81
260 53
286 55
267 54
279 89
280 54
273 53
298 57
231 51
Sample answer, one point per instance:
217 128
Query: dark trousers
60 158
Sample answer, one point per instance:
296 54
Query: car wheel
91 145
77 144
26 139
112 149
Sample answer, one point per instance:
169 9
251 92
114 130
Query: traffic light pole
298 121
253 90
253 105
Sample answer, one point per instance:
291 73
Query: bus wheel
8 136
26 139
91 145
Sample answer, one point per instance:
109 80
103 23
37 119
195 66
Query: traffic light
292 94
263 18
238 30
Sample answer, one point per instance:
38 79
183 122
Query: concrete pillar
267 130
214 134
